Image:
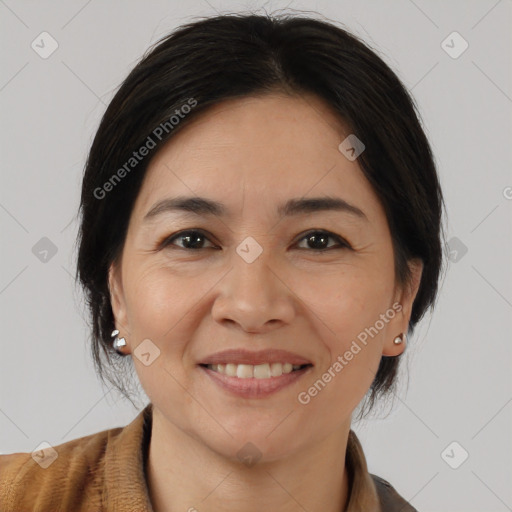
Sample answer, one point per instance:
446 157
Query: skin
253 154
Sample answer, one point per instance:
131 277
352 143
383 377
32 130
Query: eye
318 240
193 239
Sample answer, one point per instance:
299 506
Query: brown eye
318 240
192 239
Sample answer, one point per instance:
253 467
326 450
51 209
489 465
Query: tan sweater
106 472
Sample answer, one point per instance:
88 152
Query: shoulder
389 497
55 477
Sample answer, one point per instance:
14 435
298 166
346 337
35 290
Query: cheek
347 307
158 300
158 305
348 300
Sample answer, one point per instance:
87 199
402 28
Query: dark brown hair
237 55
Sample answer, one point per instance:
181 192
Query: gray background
456 384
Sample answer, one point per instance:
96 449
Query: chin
255 443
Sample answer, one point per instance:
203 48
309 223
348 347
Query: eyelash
342 243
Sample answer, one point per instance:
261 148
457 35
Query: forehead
256 150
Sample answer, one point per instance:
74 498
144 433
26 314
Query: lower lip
254 388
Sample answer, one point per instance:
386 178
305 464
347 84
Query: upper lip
241 356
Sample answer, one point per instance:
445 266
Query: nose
254 296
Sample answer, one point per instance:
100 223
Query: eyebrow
205 207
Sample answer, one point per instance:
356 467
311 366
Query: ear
404 296
117 299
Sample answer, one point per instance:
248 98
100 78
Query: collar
126 455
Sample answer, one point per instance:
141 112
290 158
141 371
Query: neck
185 474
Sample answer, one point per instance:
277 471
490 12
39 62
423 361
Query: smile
254 381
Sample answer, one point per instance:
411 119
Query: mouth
254 381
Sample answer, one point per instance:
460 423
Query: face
253 277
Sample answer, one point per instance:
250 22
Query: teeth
276 369
230 369
259 371
244 371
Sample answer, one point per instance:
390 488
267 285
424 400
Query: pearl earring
399 339
118 343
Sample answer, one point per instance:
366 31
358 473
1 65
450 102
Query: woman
260 232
